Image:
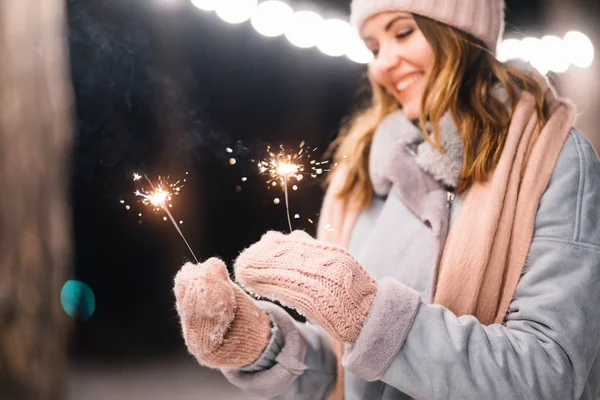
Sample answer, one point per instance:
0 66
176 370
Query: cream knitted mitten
321 281
222 326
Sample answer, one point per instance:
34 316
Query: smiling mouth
407 82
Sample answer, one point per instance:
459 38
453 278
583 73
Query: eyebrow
392 22
389 25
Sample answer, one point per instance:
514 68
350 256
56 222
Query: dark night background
163 88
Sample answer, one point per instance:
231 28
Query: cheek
424 55
377 75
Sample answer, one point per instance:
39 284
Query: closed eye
400 36
405 34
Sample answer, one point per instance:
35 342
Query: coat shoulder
570 207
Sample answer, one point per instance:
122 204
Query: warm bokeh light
336 37
358 51
579 48
236 11
509 49
271 18
555 51
206 5
532 52
551 53
304 29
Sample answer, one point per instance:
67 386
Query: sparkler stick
287 205
159 198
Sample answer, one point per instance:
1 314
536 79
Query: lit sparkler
282 168
160 198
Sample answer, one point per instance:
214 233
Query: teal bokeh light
78 300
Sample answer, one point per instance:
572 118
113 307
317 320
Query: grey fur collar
397 130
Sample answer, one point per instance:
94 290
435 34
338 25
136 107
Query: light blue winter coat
547 347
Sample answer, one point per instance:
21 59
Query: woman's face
403 58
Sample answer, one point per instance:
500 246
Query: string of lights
336 37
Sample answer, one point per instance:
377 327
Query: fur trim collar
397 130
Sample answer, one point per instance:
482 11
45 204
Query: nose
387 59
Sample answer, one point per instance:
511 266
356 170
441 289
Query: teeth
406 83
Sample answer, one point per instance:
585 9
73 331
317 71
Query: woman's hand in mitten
321 281
222 326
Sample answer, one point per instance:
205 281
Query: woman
469 208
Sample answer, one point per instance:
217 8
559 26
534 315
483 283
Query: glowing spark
160 197
282 167
136 177
287 168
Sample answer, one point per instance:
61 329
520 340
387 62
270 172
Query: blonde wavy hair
462 80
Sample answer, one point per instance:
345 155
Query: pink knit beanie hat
483 19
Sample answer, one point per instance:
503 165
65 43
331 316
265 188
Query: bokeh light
580 49
551 53
271 18
532 52
236 11
78 300
555 53
207 5
358 51
304 29
336 37
509 49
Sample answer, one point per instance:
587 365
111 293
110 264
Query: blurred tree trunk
35 226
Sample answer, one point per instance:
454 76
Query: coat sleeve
297 364
550 338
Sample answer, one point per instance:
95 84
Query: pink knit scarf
483 261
